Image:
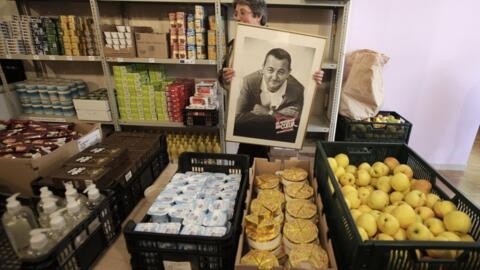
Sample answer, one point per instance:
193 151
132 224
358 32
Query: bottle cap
38 239
13 205
49 205
57 222
71 191
73 207
92 192
45 192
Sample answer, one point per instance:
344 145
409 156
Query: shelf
321 3
160 61
318 124
58 119
155 123
51 57
329 65
164 1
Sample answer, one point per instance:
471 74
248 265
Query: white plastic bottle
46 193
71 193
94 196
40 244
76 212
59 225
18 221
49 206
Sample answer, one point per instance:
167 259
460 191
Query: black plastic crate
152 250
100 229
353 253
365 131
200 117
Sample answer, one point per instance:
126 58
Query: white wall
433 76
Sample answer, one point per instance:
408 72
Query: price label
36 57
69 58
187 61
151 60
128 176
51 57
91 58
8 56
119 59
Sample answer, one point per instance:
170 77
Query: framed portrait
272 91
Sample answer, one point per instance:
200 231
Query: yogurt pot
65 97
47 109
53 96
82 90
68 110
37 108
74 92
27 108
34 96
57 110
44 96
23 96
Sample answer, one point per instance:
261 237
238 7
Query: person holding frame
250 12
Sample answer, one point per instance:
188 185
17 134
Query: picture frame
260 58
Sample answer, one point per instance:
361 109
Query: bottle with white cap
76 212
59 225
71 193
46 193
17 222
49 206
94 196
40 244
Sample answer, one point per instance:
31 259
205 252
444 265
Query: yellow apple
421 184
354 201
401 234
418 231
377 200
368 222
339 172
396 196
466 237
363 233
442 207
400 182
415 198
388 224
383 183
435 225
375 213
457 221
405 169
432 199
424 212
450 235
332 163
342 160
355 213
389 208
364 166
363 193
349 189
364 208
404 214
351 169
379 169
442 253
347 179
363 178
384 237
391 162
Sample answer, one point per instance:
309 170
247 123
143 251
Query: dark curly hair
258 7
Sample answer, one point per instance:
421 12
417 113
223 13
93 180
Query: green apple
405 169
418 231
415 198
378 200
347 179
457 221
400 182
383 183
442 207
363 178
435 225
388 224
342 160
404 214
368 222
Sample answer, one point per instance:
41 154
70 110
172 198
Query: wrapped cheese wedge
300 190
294 175
266 182
299 231
300 209
307 256
260 258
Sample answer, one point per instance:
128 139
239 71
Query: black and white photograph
272 91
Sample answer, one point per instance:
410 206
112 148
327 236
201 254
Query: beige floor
118 258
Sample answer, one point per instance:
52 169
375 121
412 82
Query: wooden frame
250 117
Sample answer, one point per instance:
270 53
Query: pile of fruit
388 203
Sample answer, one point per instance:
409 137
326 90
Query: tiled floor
468 182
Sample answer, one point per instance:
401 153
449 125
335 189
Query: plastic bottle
46 193
49 206
18 221
40 244
59 225
76 212
71 193
94 196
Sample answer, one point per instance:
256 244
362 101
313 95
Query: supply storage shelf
52 57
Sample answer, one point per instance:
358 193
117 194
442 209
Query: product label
170 265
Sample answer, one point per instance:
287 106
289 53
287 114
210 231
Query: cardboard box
16 174
91 104
126 52
151 45
263 166
94 115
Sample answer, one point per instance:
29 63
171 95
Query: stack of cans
11 36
